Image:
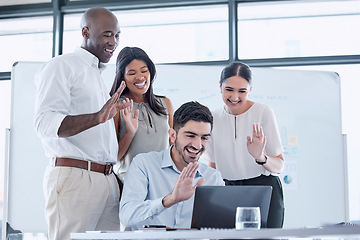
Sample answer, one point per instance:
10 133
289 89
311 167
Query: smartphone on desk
146 228
154 226
162 228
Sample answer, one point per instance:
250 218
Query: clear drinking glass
247 218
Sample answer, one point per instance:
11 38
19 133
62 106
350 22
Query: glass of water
247 218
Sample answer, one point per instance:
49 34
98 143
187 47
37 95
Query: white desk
344 231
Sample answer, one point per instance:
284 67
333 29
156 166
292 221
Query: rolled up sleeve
52 98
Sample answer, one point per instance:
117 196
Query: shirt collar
168 162
89 58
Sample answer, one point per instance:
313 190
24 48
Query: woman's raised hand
131 121
256 144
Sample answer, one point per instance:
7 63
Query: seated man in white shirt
159 186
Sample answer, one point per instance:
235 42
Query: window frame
60 7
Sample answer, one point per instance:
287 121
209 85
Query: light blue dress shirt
152 176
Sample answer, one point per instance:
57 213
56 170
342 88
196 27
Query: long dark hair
126 55
236 69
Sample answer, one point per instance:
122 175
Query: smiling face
235 91
189 142
101 35
137 78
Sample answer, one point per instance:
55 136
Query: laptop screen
215 206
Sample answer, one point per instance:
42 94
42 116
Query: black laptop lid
215 206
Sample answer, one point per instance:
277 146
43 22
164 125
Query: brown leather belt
87 165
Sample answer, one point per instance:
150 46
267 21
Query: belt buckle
108 168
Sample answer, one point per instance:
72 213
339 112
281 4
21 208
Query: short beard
181 152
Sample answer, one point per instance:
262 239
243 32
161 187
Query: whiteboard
306 105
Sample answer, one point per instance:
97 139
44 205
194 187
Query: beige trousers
79 200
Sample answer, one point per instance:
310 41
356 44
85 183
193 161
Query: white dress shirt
71 84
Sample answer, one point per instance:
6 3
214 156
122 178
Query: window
185 34
25 39
16 2
298 29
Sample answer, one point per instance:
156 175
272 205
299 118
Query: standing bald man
73 118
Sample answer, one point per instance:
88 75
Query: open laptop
215 206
